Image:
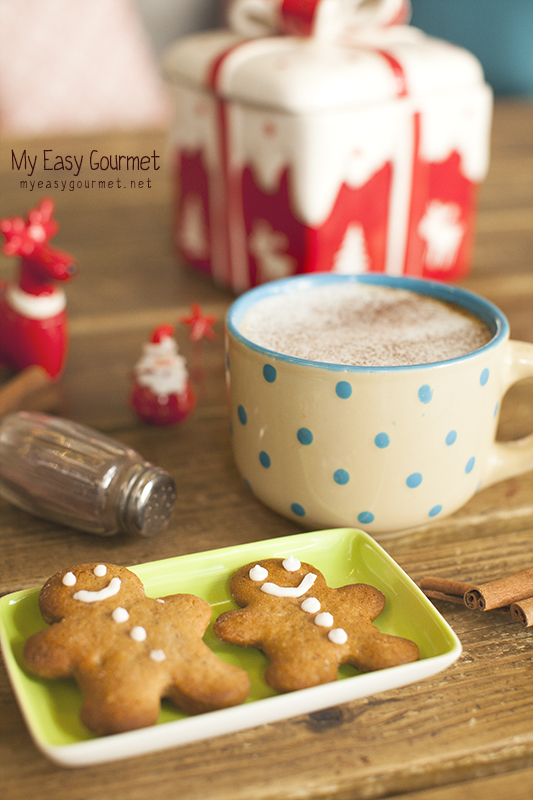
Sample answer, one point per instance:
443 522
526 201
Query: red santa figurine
161 393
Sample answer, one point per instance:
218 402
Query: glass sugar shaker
72 474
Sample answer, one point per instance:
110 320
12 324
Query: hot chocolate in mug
381 447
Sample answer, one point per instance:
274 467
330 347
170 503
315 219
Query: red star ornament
199 323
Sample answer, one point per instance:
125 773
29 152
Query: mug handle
515 457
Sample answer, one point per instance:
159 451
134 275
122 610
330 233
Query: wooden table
468 732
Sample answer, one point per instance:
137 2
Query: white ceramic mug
382 448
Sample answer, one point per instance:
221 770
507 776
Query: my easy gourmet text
51 169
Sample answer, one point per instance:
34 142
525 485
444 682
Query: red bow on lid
325 19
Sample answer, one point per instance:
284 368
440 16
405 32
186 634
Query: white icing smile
112 588
290 591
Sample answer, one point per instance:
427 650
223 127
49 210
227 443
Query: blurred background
498 32
82 65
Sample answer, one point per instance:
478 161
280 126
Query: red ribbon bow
326 19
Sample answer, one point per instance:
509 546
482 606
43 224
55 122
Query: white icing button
69 579
120 614
157 655
338 636
311 604
100 570
138 633
159 600
325 619
258 573
291 564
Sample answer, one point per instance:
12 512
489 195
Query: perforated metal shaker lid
147 502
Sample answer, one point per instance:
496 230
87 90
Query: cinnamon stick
451 598
522 611
501 592
445 586
17 391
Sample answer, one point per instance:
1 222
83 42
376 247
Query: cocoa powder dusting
364 325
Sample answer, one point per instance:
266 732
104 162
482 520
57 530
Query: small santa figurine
161 393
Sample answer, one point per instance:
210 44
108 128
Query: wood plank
466 732
517 785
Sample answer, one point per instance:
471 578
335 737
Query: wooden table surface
467 732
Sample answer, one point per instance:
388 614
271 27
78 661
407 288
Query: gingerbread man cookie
127 651
305 628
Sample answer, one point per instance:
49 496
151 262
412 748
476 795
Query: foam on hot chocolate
365 325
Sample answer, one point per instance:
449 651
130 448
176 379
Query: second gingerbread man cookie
306 628
126 651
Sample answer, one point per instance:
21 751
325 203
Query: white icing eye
258 573
325 619
159 600
120 614
311 605
100 570
291 564
69 579
338 636
138 633
157 655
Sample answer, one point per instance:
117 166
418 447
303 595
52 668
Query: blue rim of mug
483 309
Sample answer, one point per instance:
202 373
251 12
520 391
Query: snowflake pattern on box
268 247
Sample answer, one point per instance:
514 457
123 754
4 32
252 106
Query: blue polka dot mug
383 448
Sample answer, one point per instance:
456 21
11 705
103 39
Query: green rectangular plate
345 555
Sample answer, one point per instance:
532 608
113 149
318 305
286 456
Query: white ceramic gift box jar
323 135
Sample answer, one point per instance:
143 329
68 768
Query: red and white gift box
317 135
